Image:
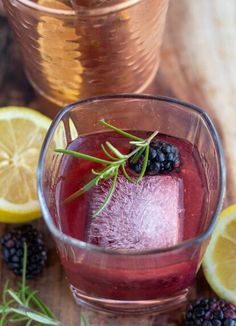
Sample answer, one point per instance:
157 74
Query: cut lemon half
219 263
22 131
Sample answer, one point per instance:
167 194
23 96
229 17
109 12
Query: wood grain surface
198 65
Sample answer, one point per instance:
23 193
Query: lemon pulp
219 263
22 131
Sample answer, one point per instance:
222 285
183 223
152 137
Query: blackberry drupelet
163 157
210 312
13 250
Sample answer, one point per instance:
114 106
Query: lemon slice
22 131
219 263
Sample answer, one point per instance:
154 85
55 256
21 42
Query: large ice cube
139 216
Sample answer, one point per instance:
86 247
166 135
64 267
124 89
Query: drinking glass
100 47
132 281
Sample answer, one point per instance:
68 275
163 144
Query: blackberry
13 250
163 157
210 312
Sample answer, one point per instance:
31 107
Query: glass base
155 306
61 103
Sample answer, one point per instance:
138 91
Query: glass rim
84 245
72 13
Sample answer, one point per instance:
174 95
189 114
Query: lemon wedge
22 131
219 263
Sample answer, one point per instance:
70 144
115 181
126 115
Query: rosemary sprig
24 304
116 162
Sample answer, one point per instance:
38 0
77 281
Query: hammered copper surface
75 56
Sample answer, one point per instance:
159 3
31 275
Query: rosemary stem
146 141
150 138
136 150
24 270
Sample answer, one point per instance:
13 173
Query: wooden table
198 65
